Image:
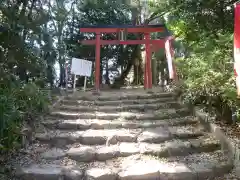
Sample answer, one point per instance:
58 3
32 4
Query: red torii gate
151 45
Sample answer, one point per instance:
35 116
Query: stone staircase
123 135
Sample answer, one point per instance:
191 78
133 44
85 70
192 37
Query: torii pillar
97 62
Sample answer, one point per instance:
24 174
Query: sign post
74 82
85 83
66 76
81 67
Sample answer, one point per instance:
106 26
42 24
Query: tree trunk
107 81
62 76
138 68
162 71
136 54
154 71
120 80
138 74
221 13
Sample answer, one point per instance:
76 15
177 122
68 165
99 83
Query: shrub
208 78
18 103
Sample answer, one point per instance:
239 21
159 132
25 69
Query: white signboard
81 67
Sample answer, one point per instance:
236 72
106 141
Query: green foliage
205 28
26 64
209 74
18 104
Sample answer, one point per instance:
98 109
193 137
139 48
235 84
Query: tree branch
153 17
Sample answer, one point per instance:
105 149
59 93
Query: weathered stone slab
72 173
141 171
144 124
154 135
186 132
117 102
87 115
51 124
159 150
60 138
182 121
127 149
100 174
178 148
78 108
166 149
83 124
132 101
131 125
166 114
176 171
126 96
205 144
54 153
105 124
64 115
94 137
84 153
41 172
78 124
119 107
142 95
107 116
105 153
155 116
211 170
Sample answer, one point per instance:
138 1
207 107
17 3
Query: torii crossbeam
151 45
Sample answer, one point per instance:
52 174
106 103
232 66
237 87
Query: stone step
83 124
161 114
119 96
120 108
114 136
117 102
84 153
137 167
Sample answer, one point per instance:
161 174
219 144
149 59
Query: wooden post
85 83
145 75
66 76
74 82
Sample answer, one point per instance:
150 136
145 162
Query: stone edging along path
231 149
